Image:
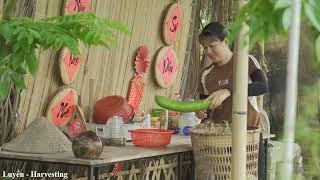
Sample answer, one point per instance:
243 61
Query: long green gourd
181 106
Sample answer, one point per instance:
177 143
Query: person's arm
203 96
259 84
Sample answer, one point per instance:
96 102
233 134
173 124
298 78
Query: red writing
79 6
167 66
74 61
175 24
63 110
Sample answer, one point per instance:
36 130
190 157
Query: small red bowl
112 106
151 137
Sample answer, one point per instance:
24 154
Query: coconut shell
87 145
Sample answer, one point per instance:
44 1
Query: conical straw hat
41 136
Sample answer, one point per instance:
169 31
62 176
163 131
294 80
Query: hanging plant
20 37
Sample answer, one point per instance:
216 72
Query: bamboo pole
239 106
291 90
91 102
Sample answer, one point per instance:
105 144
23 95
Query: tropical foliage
267 18
20 37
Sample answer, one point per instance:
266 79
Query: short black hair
214 29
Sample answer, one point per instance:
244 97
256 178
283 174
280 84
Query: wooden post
239 106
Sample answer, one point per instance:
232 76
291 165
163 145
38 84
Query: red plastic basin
151 137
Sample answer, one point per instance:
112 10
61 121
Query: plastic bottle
187 121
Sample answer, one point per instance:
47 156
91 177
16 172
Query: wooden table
110 155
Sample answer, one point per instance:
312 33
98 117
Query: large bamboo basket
212 146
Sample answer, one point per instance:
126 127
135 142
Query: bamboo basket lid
69 66
172 24
41 136
166 67
62 106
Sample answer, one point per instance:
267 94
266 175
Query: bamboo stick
91 100
239 106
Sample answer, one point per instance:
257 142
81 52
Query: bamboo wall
112 69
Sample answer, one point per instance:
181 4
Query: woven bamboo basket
212 146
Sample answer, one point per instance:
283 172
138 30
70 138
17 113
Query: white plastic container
187 121
115 128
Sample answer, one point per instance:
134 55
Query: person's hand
217 98
201 114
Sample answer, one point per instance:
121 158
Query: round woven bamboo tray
166 79
173 17
212 147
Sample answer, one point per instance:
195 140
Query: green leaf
30 39
286 19
4 88
35 34
281 4
74 49
3 70
89 37
17 59
32 64
21 35
18 81
313 16
21 70
317 48
57 44
5 30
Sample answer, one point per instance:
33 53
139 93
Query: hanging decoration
62 106
171 24
136 92
69 66
142 62
166 66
